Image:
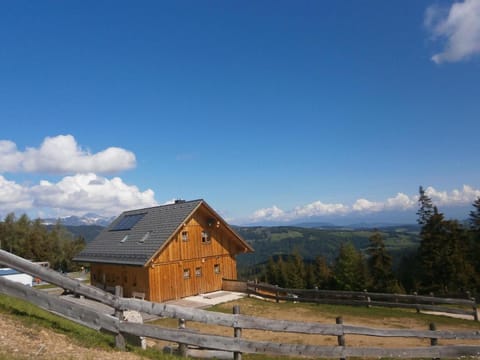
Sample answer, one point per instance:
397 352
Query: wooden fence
426 303
236 344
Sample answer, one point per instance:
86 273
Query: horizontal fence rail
365 298
97 320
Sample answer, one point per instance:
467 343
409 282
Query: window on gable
198 271
184 235
205 237
186 273
216 268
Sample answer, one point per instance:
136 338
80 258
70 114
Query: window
216 268
198 271
184 235
186 273
205 238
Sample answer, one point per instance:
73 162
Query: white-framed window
198 271
186 273
205 237
185 235
216 268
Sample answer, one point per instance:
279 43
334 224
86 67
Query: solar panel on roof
127 222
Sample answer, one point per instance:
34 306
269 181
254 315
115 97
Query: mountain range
87 219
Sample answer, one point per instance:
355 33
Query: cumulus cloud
13 197
62 155
400 202
74 195
317 208
458 26
364 205
268 214
456 197
88 192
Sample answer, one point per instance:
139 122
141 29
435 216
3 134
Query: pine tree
350 270
426 210
380 265
322 272
296 271
475 216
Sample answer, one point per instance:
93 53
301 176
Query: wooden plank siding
189 264
131 278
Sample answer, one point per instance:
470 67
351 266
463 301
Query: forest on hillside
33 240
445 261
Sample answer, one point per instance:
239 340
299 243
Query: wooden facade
195 259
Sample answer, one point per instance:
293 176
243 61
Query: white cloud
74 195
364 205
13 197
62 155
318 208
400 202
90 193
268 214
464 196
459 27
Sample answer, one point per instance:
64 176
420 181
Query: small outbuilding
165 252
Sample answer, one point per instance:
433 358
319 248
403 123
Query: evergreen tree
475 216
443 255
426 209
380 265
322 272
271 272
296 271
350 270
474 248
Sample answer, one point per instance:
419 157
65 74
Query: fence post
340 338
433 341
119 338
277 294
416 302
367 298
237 333
475 310
182 348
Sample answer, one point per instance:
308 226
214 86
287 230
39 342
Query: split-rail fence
466 306
236 344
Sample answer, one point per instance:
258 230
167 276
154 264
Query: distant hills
309 239
311 242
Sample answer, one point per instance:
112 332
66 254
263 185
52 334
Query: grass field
35 321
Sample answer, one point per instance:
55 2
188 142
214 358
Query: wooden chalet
165 252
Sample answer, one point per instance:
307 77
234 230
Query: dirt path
18 341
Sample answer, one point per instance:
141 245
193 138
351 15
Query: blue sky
278 111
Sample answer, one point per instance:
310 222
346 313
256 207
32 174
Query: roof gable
137 236
126 241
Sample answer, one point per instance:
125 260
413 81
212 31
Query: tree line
32 240
446 262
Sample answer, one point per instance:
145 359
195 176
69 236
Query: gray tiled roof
162 221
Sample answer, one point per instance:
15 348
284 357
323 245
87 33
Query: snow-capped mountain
87 219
